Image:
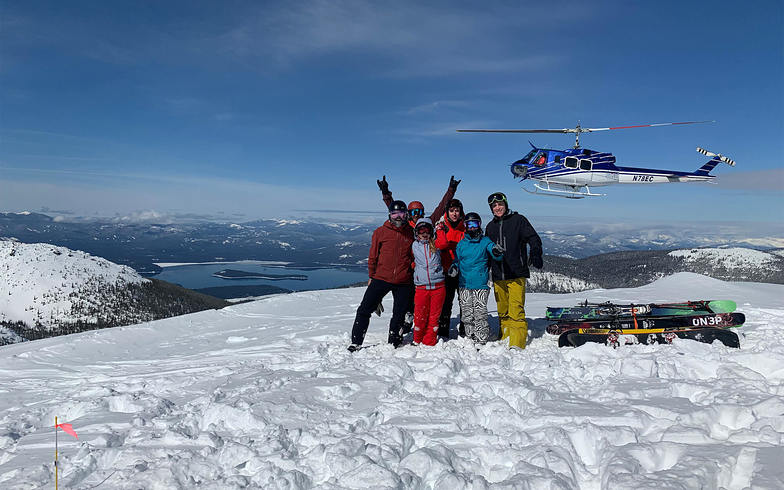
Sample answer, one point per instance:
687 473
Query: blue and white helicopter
573 172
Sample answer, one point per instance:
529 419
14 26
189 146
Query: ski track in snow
265 395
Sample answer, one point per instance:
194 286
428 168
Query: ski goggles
497 197
417 212
423 229
398 215
473 224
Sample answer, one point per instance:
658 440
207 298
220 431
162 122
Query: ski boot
408 323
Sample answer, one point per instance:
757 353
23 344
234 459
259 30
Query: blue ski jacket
471 257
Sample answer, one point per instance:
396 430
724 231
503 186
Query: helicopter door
585 177
570 178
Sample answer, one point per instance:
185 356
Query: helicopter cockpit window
557 158
541 159
570 162
527 158
586 164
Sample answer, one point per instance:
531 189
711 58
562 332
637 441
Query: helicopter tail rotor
718 156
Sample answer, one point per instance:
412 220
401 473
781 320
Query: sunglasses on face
497 197
472 224
398 215
417 213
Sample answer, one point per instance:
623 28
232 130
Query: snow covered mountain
635 268
265 395
47 290
140 245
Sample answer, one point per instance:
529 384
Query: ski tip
722 306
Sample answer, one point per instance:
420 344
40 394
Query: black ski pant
374 293
451 284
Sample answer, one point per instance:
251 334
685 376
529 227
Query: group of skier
425 261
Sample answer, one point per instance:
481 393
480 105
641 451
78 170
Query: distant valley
301 243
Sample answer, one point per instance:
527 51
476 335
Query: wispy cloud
383 39
395 39
434 107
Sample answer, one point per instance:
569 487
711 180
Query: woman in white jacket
429 283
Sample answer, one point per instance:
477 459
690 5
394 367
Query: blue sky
236 110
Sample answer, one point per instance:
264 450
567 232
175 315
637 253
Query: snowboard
671 322
615 338
607 310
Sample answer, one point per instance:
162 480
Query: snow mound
729 258
265 395
39 281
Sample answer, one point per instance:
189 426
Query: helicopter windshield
528 157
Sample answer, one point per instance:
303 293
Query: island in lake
235 274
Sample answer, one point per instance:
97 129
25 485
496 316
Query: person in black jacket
514 233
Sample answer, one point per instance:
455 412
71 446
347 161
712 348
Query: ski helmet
497 197
416 209
398 206
424 223
455 203
398 213
473 225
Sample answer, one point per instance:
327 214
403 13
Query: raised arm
385 194
439 211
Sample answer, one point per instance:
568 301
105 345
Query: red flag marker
68 429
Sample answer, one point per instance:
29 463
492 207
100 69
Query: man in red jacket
389 268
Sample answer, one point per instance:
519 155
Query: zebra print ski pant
473 308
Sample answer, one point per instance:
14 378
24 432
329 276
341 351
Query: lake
198 276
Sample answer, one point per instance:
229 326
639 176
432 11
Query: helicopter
572 172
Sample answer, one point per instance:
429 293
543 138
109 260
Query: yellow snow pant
510 297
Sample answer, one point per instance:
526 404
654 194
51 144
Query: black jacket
513 231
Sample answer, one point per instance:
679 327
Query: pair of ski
704 321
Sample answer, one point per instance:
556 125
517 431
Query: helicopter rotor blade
578 129
566 130
587 130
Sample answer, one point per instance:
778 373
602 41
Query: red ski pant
427 310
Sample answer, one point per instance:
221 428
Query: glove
536 261
441 226
379 309
452 272
383 185
453 183
497 250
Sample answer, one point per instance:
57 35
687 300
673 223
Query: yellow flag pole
55 453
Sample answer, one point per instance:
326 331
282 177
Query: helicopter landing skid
561 190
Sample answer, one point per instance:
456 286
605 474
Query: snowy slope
39 281
730 258
264 395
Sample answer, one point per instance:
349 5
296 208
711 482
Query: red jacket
447 242
390 255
